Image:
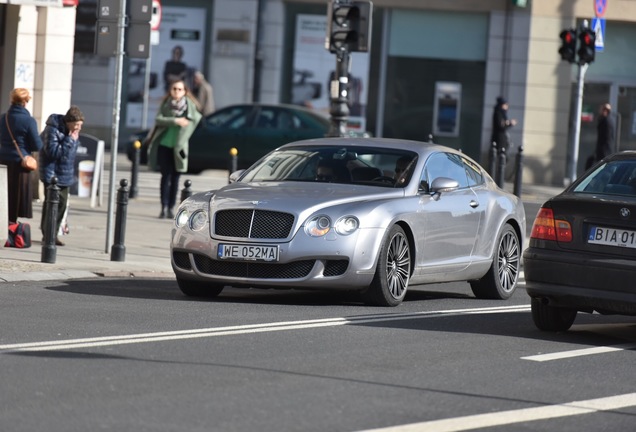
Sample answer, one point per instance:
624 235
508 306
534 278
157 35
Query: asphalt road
136 355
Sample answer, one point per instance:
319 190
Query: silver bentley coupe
371 215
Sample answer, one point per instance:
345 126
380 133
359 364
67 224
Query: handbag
29 163
19 235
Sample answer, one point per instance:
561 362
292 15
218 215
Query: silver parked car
366 214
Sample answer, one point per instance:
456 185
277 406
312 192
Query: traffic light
349 26
568 45
138 30
587 46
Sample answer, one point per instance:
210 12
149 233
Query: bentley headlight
198 220
347 225
318 226
182 218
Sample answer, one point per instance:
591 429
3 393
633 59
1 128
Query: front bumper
346 263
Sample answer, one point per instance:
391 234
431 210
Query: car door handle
474 204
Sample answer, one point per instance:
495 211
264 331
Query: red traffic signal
587 48
568 45
349 26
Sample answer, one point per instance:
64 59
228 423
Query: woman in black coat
501 124
17 121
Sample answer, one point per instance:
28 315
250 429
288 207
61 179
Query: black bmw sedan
582 249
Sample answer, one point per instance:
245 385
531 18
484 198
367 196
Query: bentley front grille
253 270
254 224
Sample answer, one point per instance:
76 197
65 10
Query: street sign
600 7
598 26
155 20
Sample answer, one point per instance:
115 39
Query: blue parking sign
598 26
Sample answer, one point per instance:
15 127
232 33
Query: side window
266 119
473 172
445 165
232 118
286 121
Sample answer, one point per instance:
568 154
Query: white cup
85 178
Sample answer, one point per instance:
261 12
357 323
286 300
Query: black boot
162 215
170 214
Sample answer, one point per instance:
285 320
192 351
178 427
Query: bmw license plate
612 237
247 252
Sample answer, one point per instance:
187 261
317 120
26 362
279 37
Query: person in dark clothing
175 68
57 159
501 124
18 124
606 131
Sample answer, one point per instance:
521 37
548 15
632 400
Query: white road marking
246 329
516 416
579 352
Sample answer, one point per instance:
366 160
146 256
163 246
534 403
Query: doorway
623 101
626 118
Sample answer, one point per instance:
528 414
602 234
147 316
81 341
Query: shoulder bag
29 163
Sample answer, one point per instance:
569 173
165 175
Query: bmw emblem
625 212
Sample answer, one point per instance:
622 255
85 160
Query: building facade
434 68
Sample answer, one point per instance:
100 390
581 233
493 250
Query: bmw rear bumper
581 281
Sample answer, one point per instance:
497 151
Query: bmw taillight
545 227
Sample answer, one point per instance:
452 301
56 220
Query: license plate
612 237
247 252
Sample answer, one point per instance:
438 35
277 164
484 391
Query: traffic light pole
339 90
119 67
576 121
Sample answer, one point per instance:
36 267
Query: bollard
233 162
134 174
118 250
492 161
518 172
49 250
501 168
186 192
430 138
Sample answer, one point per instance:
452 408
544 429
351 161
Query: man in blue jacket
60 140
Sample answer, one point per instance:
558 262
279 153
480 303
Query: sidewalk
85 254
146 239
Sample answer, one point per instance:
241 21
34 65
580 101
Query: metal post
118 251
492 160
134 174
233 162
573 156
186 192
114 142
234 159
518 171
339 92
501 168
49 250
